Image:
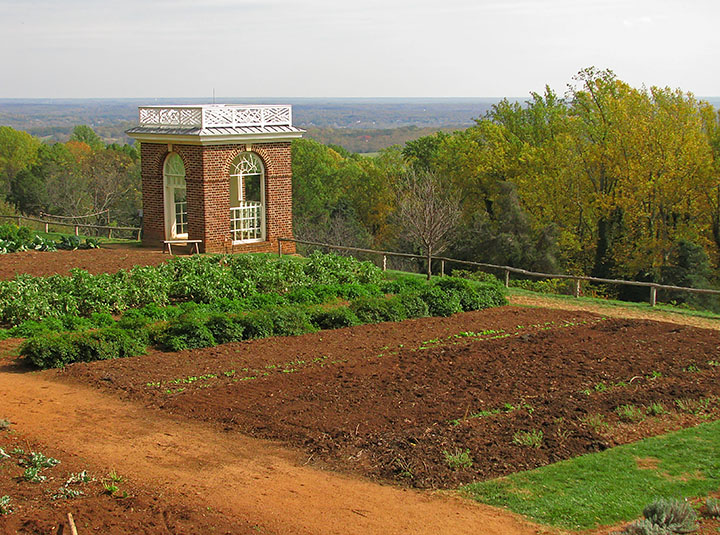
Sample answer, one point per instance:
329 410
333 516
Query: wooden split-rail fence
506 270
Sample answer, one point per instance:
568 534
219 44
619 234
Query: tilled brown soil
37 507
107 259
398 401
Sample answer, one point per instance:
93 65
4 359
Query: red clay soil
38 509
107 259
194 469
390 401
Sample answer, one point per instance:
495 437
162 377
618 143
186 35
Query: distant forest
607 180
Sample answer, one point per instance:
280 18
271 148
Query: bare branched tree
428 211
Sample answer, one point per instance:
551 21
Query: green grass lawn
610 487
662 307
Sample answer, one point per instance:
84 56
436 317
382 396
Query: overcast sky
360 48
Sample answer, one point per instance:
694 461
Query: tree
84 134
428 210
18 151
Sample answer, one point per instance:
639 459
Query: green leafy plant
33 475
6 507
334 318
629 413
67 493
532 438
673 515
643 527
692 406
458 459
712 507
4 424
655 409
115 477
110 488
39 460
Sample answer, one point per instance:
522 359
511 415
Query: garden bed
438 402
99 502
107 259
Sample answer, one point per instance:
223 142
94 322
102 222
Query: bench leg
169 249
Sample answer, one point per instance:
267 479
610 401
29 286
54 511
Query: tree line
606 180
81 176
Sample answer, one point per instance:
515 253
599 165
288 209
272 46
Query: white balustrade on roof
215 116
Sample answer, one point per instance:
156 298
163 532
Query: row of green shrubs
200 278
196 326
304 295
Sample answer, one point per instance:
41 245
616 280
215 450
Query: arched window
175 198
247 198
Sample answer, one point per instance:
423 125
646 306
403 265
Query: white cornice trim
232 139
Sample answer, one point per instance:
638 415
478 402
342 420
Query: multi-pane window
247 198
175 197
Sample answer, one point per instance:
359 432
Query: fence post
279 248
139 231
653 296
507 278
19 218
77 231
109 233
47 227
442 268
577 287
384 262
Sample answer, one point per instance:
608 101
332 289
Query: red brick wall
152 160
207 173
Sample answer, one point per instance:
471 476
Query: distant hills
358 124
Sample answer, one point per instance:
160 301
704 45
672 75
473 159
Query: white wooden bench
170 243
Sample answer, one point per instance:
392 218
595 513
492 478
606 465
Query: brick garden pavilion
216 175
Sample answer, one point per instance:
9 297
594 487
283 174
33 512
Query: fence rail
654 287
76 226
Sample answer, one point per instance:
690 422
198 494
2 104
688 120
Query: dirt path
614 311
242 477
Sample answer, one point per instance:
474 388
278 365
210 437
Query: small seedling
629 413
33 475
3 455
5 505
17 451
80 477
596 422
458 459
712 507
66 493
654 375
692 406
115 478
655 409
4 424
38 460
110 488
404 467
532 438
714 363
692 368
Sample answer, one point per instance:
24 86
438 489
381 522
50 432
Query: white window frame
244 214
173 180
